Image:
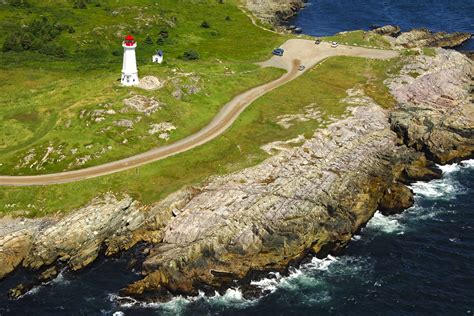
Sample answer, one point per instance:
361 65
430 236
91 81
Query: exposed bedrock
305 200
310 199
426 38
436 112
274 12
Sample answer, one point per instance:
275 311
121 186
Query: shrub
148 40
80 4
19 3
190 55
37 36
160 40
53 50
205 25
164 34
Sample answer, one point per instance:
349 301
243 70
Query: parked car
278 51
334 44
317 42
301 68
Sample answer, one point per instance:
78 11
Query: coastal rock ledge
306 200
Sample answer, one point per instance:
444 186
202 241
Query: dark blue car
278 51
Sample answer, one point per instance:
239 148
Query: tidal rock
397 198
420 169
426 38
389 30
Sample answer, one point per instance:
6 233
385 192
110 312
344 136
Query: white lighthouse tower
129 68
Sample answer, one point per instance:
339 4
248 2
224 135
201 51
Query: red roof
129 38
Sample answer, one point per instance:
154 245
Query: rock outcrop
305 200
436 112
309 199
396 198
274 12
426 38
389 30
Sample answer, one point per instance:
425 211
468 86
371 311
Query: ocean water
417 263
327 17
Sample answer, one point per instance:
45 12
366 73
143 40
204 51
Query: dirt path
297 52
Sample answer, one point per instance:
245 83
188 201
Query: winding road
297 52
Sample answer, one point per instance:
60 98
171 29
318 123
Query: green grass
43 97
323 87
359 38
429 51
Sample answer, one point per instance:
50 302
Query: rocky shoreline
307 200
275 12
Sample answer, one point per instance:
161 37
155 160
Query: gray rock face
436 113
311 197
274 11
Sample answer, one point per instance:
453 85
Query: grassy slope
359 38
239 147
43 97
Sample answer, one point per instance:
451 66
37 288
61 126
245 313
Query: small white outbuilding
158 57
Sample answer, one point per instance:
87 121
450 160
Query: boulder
150 83
389 30
397 198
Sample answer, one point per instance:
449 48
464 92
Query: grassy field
322 89
48 103
359 38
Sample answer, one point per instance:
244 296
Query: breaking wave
306 278
386 224
446 188
232 297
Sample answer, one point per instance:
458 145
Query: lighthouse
129 68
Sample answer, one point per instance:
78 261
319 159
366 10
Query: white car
334 44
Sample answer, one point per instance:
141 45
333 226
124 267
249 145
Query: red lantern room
129 40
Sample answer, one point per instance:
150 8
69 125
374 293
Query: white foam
59 279
386 224
177 305
444 188
467 163
296 277
450 168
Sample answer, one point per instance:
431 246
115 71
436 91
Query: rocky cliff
274 12
305 200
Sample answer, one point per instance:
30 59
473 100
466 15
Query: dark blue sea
418 263
327 17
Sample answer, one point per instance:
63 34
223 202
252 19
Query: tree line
38 36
